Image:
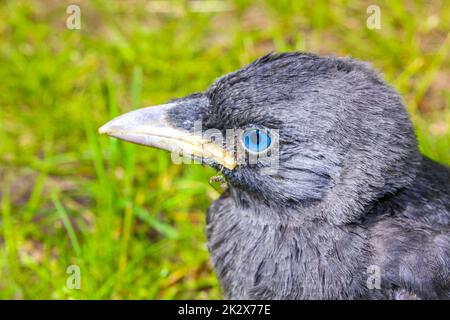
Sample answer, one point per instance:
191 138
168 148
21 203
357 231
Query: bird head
291 130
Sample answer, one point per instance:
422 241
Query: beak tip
103 129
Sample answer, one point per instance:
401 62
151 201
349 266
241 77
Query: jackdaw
350 210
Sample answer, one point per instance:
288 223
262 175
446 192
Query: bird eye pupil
254 137
256 140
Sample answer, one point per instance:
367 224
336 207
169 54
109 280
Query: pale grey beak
151 127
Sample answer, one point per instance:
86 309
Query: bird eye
256 140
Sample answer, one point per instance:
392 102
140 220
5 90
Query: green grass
132 220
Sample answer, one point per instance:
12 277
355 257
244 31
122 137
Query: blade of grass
67 224
128 183
10 246
35 198
165 229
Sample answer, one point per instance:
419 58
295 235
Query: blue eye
256 140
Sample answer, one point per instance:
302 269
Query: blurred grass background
131 220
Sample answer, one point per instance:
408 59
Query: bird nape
328 197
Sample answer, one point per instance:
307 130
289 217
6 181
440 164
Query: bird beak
151 127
